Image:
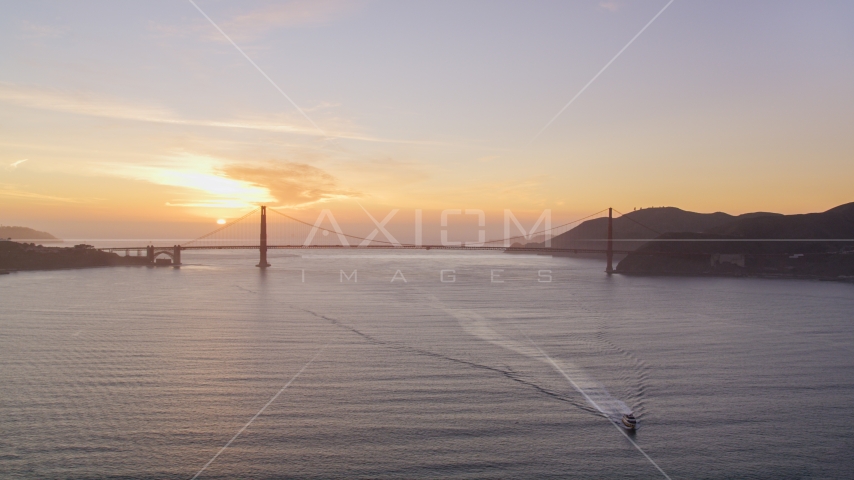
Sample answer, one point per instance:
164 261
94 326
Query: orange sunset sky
118 118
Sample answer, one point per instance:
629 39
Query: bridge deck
377 247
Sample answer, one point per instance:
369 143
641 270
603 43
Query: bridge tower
262 263
149 253
176 255
610 269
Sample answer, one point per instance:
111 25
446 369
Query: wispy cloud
291 14
34 31
528 191
260 70
249 25
83 103
90 104
610 5
524 186
322 106
14 165
380 173
6 191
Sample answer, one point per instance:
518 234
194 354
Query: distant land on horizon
657 250
16 256
24 233
784 255
643 224
713 244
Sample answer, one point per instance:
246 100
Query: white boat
629 421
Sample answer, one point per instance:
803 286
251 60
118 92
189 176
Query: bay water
414 364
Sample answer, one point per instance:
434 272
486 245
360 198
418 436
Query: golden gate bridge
284 231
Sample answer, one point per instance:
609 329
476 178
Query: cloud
35 31
82 103
87 103
197 174
15 164
222 183
321 106
292 184
13 192
251 24
291 14
383 172
523 186
610 5
528 191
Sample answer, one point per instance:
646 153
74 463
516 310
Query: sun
221 221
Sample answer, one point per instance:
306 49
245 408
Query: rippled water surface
149 372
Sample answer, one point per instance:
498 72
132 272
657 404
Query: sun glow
220 221
201 175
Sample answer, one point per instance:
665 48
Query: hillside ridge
23 233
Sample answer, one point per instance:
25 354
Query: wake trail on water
594 393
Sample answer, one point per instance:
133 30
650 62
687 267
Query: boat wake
594 393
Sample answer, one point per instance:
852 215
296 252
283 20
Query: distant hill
685 253
642 224
24 233
837 222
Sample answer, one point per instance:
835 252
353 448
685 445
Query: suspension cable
222 227
339 233
623 215
548 229
354 237
412 245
